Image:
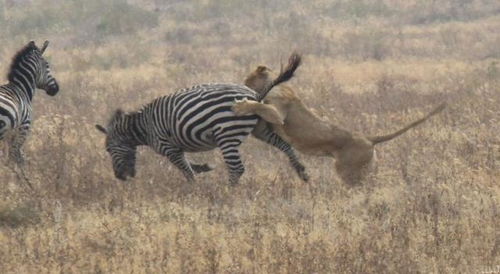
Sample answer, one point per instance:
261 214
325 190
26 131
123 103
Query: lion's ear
262 69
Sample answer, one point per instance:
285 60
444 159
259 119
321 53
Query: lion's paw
240 107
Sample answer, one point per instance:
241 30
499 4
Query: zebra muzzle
53 89
123 175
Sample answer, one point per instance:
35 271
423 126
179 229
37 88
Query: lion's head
259 78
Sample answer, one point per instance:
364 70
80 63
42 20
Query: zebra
193 120
28 71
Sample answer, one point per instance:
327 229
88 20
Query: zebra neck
136 129
24 81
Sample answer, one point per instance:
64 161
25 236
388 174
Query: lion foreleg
266 112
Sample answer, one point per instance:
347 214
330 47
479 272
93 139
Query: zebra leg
17 141
176 157
264 133
232 158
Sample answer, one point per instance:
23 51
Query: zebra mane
26 50
117 115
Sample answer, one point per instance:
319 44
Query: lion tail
379 139
285 74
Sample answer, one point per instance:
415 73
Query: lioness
298 125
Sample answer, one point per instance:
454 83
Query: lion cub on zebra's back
290 118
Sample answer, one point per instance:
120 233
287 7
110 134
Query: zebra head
120 146
44 79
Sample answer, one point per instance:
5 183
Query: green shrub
114 17
492 71
122 18
367 44
18 216
359 9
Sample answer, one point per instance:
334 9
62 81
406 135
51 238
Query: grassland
432 206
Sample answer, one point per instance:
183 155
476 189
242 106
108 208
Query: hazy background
370 65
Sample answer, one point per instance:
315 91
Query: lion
297 124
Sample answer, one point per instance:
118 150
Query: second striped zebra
28 71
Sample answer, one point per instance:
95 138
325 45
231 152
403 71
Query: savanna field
372 66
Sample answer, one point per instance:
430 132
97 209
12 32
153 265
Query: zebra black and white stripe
192 120
28 71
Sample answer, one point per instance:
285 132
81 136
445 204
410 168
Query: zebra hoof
304 176
201 168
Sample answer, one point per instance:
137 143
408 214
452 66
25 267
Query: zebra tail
285 74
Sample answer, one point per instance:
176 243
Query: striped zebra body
15 109
192 120
201 117
28 71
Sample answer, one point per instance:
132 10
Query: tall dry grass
372 66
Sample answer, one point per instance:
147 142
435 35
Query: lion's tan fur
301 127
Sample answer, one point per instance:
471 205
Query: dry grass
431 207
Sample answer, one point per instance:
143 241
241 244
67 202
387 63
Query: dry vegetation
374 65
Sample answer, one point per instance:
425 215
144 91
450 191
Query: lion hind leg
265 111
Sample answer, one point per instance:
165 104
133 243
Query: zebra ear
118 114
45 44
101 129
